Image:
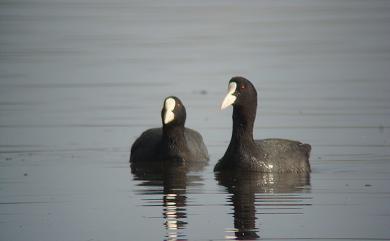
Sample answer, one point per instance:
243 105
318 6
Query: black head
173 112
241 92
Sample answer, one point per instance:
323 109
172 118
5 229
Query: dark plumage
172 142
245 153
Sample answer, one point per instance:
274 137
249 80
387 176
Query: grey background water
80 80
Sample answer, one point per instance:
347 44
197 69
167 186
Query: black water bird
245 153
173 141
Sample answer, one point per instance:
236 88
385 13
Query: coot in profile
245 153
171 142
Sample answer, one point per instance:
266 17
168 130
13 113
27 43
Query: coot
172 142
245 153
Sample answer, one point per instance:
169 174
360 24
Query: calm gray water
80 80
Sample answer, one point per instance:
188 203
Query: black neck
243 121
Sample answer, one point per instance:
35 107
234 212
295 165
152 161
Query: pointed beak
230 98
169 106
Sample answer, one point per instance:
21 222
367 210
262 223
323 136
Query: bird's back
196 146
146 145
284 155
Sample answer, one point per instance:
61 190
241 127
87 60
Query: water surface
80 80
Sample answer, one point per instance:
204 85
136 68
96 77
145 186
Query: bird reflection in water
169 180
269 193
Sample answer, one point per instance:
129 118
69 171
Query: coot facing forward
171 142
245 153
